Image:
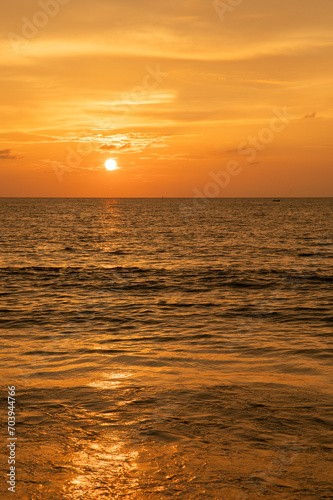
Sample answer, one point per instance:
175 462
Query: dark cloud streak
5 154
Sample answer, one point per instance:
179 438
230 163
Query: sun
111 165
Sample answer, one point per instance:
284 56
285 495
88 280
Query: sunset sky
179 93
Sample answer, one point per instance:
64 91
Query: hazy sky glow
190 97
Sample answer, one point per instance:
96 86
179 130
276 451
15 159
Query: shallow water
168 348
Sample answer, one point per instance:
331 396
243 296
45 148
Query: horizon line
165 197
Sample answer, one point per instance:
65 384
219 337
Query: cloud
5 154
311 115
30 138
108 147
192 27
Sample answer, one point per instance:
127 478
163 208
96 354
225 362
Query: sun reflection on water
111 380
103 461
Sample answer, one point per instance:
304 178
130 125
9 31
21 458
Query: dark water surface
168 348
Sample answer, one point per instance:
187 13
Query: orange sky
191 97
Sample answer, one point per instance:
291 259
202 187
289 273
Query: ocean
167 348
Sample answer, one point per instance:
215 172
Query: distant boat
276 200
